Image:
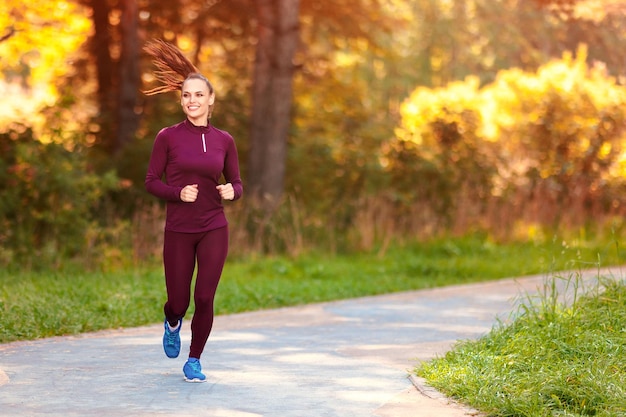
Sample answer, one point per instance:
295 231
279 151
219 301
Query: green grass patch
42 304
556 358
35 305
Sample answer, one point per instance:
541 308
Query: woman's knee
204 302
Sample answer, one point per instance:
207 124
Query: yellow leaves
570 78
567 92
401 9
567 119
345 59
47 33
425 105
595 10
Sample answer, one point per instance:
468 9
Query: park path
350 358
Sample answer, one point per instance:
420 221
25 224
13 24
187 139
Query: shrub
49 199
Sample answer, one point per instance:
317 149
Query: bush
49 200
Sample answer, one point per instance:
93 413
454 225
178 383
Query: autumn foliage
543 148
407 120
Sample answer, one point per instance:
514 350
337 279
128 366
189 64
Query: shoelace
171 338
195 366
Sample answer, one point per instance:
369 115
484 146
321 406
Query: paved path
347 358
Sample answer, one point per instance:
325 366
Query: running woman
193 156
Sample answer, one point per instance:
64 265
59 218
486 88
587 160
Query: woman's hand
226 191
189 193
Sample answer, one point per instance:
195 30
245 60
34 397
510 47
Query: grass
555 359
42 304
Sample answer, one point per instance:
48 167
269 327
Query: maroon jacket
187 154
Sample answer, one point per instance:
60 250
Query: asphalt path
344 358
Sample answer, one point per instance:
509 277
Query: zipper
203 143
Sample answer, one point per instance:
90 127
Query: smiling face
196 100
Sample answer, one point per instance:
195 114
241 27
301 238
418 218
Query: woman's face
195 100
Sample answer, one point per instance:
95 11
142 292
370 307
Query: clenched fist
189 194
226 191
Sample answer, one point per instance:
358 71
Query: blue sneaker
193 371
171 340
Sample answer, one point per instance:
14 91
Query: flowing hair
173 68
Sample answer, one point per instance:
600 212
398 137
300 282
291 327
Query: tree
564 128
272 95
115 48
129 80
31 65
99 46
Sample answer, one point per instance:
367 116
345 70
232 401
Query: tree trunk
100 47
118 79
127 115
272 97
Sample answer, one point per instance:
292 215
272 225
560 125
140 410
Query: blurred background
359 123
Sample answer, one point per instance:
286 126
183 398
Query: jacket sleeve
156 168
231 169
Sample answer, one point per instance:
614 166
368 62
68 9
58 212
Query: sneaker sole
194 379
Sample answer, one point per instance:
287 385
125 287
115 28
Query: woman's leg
179 260
212 251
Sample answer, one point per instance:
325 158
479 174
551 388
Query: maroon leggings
180 252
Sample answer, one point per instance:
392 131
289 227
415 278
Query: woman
193 155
